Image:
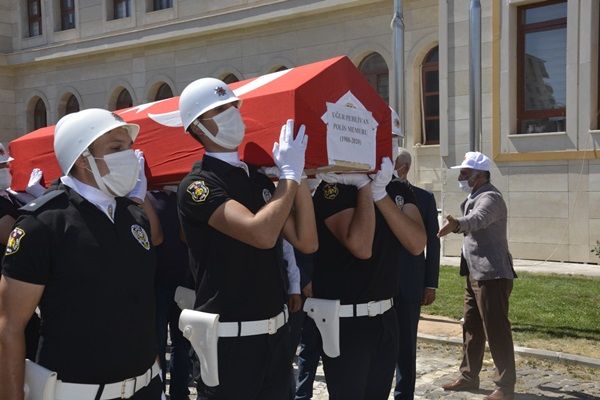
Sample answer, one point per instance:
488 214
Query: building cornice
230 21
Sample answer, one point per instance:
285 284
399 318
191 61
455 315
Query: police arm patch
14 241
198 191
141 236
330 191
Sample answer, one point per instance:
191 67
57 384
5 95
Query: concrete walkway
542 267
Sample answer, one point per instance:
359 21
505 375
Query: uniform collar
232 158
105 203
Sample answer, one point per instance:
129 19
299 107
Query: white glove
358 180
34 187
141 186
288 153
381 179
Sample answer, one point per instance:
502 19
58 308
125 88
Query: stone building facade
61 55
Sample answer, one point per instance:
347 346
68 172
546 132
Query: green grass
541 306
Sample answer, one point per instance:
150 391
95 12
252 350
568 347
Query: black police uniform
9 206
368 345
239 282
98 302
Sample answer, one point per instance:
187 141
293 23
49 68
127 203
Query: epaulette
42 201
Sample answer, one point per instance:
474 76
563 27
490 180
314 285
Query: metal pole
475 75
398 66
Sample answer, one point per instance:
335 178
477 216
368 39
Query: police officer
361 229
418 282
232 218
83 254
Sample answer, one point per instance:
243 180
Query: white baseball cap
4 157
475 160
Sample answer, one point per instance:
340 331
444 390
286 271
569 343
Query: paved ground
437 364
545 267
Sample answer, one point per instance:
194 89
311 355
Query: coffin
348 124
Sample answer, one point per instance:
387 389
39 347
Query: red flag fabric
347 122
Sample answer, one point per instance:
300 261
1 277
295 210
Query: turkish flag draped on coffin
348 124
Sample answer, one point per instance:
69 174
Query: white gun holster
185 298
202 330
40 383
326 314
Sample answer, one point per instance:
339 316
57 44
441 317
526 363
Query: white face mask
123 168
464 186
395 145
230 126
5 178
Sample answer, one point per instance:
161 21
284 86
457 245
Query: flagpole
398 66
475 75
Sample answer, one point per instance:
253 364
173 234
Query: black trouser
406 368
308 359
295 322
252 368
365 368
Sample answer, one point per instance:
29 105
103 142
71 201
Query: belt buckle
373 311
124 387
271 326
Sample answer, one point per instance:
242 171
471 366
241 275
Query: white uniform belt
249 328
117 390
370 309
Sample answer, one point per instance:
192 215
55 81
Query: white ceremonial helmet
201 96
74 133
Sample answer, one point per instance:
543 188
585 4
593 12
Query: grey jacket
485 245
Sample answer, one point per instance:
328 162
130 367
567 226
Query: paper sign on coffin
347 122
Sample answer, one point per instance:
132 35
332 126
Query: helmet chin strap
205 130
95 172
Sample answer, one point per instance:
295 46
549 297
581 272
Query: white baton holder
185 298
202 330
40 383
326 314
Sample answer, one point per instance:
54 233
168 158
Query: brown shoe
461 385
500 394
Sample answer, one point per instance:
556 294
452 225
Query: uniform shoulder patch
198 190
14 241
141 236
399 200
330 191
45 199
266 193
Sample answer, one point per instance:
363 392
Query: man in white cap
82 253
487 264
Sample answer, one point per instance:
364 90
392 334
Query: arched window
72 105
39 115
430 100
124 100
375 69
163 92
230 78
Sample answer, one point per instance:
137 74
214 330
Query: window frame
116 4
33 20
156 6
373 77
118 99
37 117
522 30
429 66
65 12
